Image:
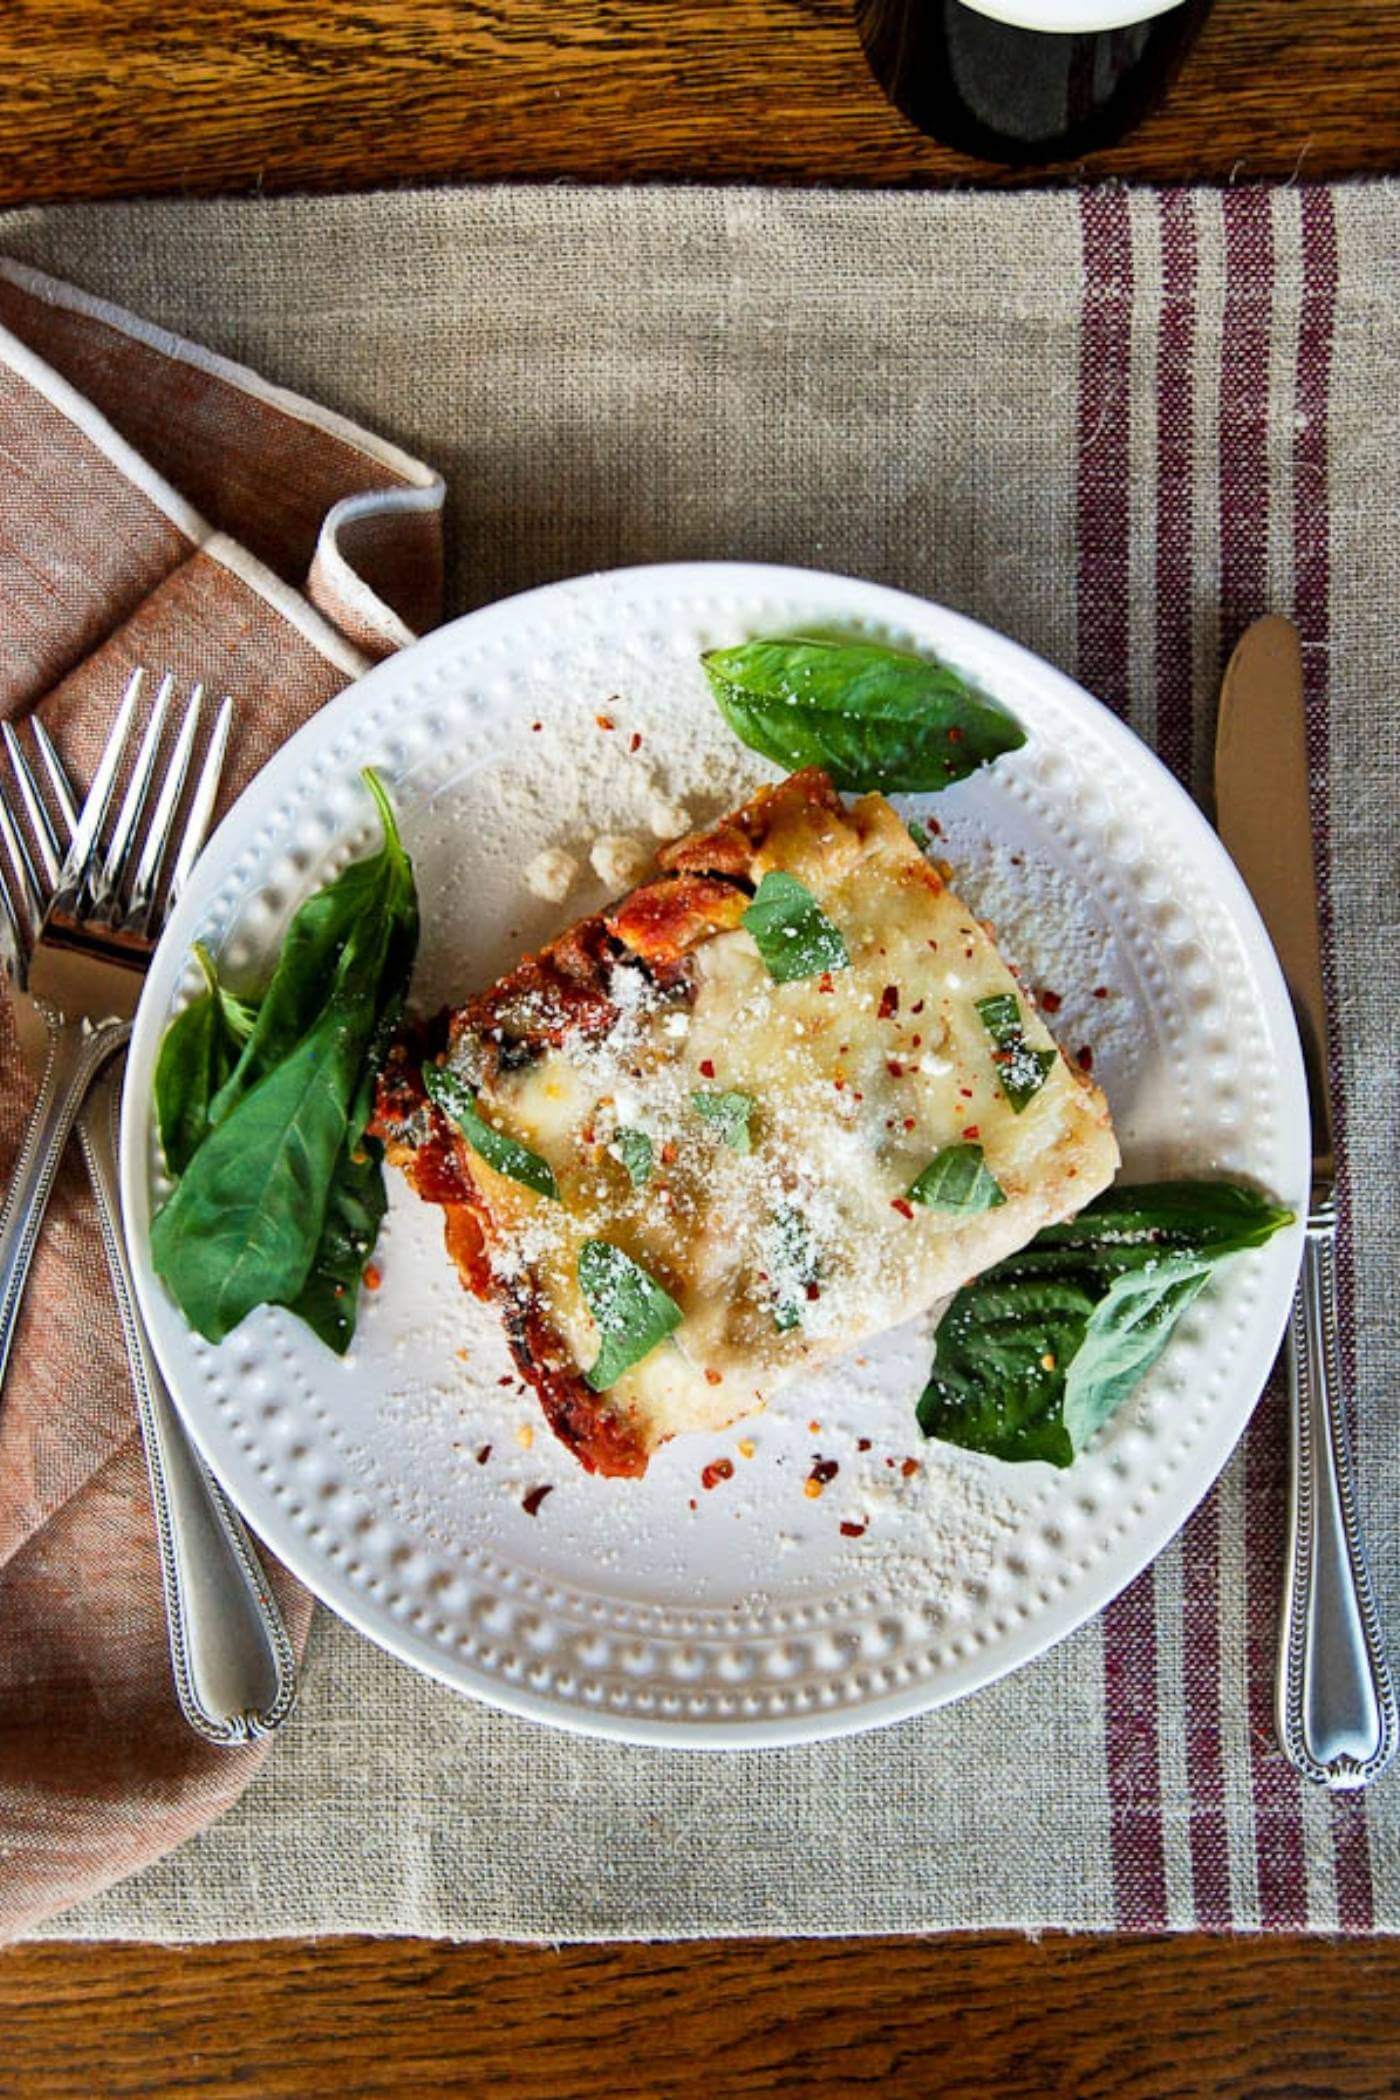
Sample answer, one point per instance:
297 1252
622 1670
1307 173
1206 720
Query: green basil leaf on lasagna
958 1178
633 1313
1021 1069
728 1113
633 1148
792 933
459 1104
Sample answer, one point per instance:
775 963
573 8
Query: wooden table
102 98
119 97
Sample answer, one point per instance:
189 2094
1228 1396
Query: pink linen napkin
158 506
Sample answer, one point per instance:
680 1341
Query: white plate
659 1611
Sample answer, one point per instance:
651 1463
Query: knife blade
1263 813
1334 1699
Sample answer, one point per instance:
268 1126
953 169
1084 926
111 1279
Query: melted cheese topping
857 1079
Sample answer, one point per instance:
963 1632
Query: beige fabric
104 564
901 387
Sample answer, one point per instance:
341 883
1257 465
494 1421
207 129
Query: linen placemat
1116 425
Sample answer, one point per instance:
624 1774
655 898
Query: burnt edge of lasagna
703 886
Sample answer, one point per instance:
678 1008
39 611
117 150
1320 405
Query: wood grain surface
114 97
995 2018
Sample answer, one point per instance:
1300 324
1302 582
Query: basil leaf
728 1113
1021 1070
633 1148
633 1313
871 716
792 1265
244 1222
919 835
247 1224
791 931
1034 1355
197 1054
958 1178
457 1102
328 1301
312 947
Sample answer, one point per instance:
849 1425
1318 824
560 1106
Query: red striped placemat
1117 425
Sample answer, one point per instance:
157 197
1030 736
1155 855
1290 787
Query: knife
1334 1700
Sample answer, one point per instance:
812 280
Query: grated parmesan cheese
551 874
619 861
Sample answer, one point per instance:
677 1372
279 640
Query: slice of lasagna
782 1096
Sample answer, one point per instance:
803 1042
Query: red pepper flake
537 725
909 1467
840 1085
955 735
917 1007
935 827
850 1530
824 983
823 1470
814 1429
713 1377
916 1042
894 1068
1100 991
973 1130
605 721
373 1277
507 1379
862 1443
889 1461
814 1291
889 1003
1085 1058
635 741
707 1068
906 1210
857 1095
1051 1001
668 1153
965 1092
483 1454
693 1503
717 1470
531 1503
909 1122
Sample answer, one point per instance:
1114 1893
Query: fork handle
76 1054
235 1672
1335 1700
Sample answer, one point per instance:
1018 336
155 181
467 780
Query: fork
235 1673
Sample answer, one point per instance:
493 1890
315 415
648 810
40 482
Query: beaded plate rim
657 1674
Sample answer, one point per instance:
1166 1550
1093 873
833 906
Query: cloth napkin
1115 425
158 506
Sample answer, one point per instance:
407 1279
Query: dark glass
1021 96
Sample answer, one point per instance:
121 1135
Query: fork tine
107 884
140 911
58 780
74 872
45 837
11 941
206 794
26 880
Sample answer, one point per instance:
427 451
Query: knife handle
1335 1700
